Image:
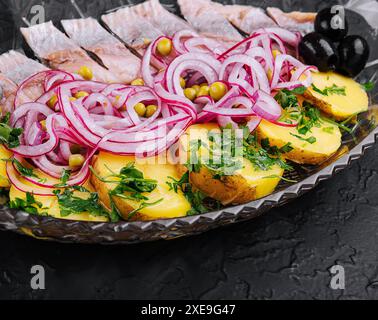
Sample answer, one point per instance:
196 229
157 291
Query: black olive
319 51
331 23
354 53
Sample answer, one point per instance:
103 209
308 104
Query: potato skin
339 107
228 189
299 156
325 146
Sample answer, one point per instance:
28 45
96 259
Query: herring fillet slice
7 94
293 21
16 67
131 28
247 18
155 13
60 52
89 34
209 22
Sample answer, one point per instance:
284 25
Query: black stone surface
285 254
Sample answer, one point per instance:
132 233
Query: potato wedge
4 154
328 141
246 184
338 106
50 205
172 204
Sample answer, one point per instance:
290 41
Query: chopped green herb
286 148
329 130
114 215
130 180
368 86
334 89
273 150
29 205
70 203
287 98
130 186
142 206
310 117
289 102
340 125
309 140
223 158
64 178
195 198
264 156
299 90
8 135
24 171
275 176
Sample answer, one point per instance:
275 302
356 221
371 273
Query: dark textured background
285 254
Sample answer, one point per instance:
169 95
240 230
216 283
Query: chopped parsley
70 203
64 178
309 140
131 185
341 125
25 171
368 86
264 157
274 150
141 207
276 176
225 159
8 135
310 117
29 205
334 89
195 198
329 130
289 102
224 153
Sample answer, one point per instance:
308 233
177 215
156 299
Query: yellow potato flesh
50 204
264 181
172 204
4 154
246 184
340 107
327 142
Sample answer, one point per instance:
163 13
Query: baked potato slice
4 154
244 185
339 106
49 204
304 149
168 203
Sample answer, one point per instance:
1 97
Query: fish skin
89 34
15 68
60 52
209 22
293 21
155 13
247 18
129 27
